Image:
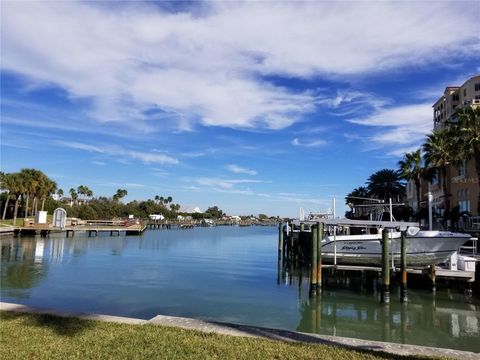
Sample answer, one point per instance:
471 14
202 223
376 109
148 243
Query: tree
73 195
214 212
18 188
169 199
121 193
357 197
48 189
438 150
385 184
60 193
84 191
411 169
7 183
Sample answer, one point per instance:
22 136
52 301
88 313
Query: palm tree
411 170
49 188
438 154
169 199
121 193
60 193
7 183
18 188
73 195
385 184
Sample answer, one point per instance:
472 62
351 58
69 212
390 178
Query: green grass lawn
28 336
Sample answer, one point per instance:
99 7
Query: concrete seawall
259 332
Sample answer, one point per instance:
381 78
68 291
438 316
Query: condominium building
462 181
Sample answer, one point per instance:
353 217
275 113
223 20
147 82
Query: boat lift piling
320 236
403 291
385 268
313 267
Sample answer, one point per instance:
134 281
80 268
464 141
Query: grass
30 336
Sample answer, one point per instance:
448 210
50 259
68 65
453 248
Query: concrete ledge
33 310
259 332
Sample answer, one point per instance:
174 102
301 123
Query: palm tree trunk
36 205
446 199
476 156
15 211
26 205
419 198
6 206
43 203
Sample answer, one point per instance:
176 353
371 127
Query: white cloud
225 183
402 127
207 67
308 143
116 151
240 170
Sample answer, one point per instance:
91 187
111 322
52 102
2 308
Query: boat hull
423 249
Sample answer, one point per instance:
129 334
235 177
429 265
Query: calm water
223 274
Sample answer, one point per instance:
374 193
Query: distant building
190 209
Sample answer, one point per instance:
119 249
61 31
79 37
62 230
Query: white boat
424 248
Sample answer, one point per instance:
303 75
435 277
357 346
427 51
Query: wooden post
385 268
313 272
279 238
319 229
403 291
432 278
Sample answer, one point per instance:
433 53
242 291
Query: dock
300 245
91 227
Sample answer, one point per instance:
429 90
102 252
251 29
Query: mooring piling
385 268
313 272
432 276
403 244
320 234
280 238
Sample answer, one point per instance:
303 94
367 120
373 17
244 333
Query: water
223 274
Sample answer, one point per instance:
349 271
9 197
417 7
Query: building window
477 87
464 206
455 97
465 92
462 169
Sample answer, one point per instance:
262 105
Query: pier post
280 238
319 229
403 291
385 268
313 272
432 278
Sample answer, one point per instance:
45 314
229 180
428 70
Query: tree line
27 190
454 144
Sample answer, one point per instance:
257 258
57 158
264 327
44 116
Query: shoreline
254 331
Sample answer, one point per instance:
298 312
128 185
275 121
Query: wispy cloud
240 170
225 183
136 63
308 143
399 127
117 151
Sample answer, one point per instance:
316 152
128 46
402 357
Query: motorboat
424 247
343 245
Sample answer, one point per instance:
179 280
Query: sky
255 107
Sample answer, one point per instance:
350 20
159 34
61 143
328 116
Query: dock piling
279 238
313 272
432 276
320 234
385 268
403 291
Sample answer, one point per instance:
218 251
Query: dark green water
223 274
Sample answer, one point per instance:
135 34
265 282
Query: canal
226 274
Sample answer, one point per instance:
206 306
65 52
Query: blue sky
257 107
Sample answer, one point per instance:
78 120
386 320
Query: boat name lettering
346 247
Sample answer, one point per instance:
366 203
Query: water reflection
349 306
22 265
